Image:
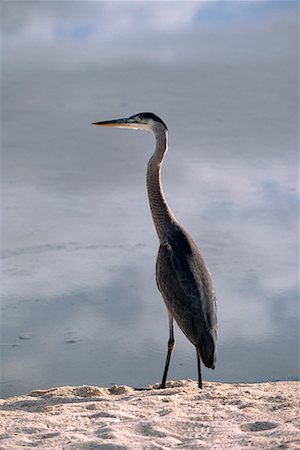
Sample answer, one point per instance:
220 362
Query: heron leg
199 369
171 345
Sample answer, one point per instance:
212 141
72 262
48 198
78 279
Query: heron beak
121 123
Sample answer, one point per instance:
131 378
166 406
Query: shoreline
227 416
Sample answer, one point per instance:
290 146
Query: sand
221 416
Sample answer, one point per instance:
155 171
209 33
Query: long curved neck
163 218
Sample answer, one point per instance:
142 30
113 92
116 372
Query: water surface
79 300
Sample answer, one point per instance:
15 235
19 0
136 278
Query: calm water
79 298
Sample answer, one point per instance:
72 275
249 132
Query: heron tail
207 346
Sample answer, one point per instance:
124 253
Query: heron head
143 121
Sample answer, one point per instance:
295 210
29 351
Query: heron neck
163 217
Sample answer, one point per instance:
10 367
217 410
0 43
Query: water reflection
118 334
98 317
79 299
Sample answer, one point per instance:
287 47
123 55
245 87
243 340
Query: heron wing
187 288
192 275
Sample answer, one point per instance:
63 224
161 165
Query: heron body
181 274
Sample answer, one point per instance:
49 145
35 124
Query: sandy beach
221 416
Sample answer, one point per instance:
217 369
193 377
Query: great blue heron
181 274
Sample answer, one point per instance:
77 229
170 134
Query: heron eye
138 118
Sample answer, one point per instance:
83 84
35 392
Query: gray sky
224 76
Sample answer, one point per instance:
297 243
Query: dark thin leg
199 370
171 344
